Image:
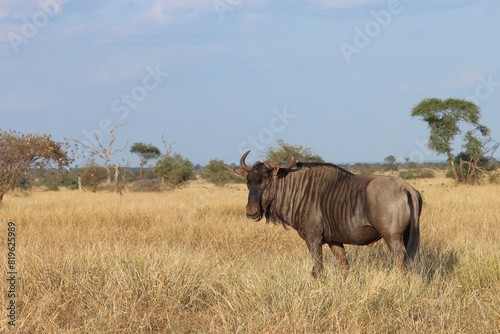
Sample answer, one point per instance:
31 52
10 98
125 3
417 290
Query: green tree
390 159
363 169
218 173
93 175
443 118
18 152
146 152
301 153
174 169
389 163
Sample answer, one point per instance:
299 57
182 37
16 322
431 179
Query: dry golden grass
189 261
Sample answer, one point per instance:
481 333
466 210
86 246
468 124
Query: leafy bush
391 167
51 185
174 169
301 153
362 169
406 175
494 177
426 174
23 182
239 179
71 182
218 173
416 174
92 176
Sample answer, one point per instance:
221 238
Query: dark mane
340 172
314 164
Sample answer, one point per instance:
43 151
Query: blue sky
219 77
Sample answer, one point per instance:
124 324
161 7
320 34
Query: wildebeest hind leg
339 252
396 245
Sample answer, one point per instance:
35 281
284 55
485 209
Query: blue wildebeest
326 204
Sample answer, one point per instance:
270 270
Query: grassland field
189 261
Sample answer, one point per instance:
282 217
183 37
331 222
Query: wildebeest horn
271 164
292 159
243 164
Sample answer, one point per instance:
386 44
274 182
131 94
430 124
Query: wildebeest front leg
316 250
339 252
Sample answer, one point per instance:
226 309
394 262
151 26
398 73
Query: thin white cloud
18 10
165 11
468 76
341 3
351 3
115 71
15 9
23 101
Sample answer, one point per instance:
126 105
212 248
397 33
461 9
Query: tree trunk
108 170
462 177
79 183
117 173
470 175
452 163
470 171
142 164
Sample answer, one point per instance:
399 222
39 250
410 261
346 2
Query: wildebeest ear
240 171
276 169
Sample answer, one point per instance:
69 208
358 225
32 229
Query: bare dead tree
103 152
168 149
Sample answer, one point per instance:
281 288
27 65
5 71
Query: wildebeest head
259 176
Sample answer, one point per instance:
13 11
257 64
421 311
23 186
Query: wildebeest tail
412 234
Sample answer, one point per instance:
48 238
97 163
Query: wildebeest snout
253 211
